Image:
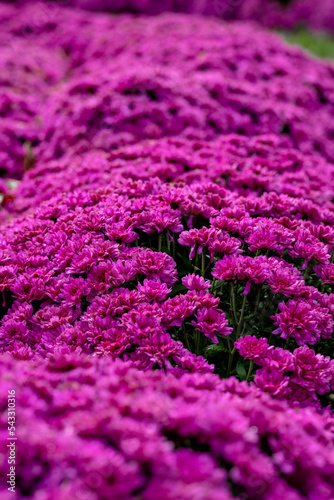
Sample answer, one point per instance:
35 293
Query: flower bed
173 232
272 13
146 89
124 271
248 166
93 428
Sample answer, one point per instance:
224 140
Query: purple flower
154 290
325 272
304 320
250 347
211 322
195 282
106 422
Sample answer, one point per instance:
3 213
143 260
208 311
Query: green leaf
218 284
242 374
165 250
179 287
214 349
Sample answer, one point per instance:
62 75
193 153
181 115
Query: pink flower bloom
252 269
309 248
272 380
325 272
155 265
195 282
313 371
222 244
285 279
200 298
154 290
268 234
226 268
304 320
177 309
197 239
225 223
250 347
210 322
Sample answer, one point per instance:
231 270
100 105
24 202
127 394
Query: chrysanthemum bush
245 165
175 219
106 90
27 73
197 92
93 428
273 13
177 277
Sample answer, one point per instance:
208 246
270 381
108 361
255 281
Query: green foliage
320 44
241 371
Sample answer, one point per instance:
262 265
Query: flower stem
203 264
168 242
307 271
258 297
197 342
196 260
160 242
232 295
241 316
230 360
250 370
205 346
186 337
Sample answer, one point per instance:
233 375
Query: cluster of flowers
28 72
216 83
248 166
198 92
175 218
296 376
97 429
115 271
272 13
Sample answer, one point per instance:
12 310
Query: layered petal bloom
99 423
195 282
250 347
211 322
304 320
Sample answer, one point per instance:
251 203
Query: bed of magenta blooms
272 13
167 258
97 429
147 89
248 166
148 271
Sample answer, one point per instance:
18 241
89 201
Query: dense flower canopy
115 271
245 165
271 13
146 89
102 430
166 254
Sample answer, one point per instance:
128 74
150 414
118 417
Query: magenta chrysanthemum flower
195 282
211 322
197 239
154 290
304 320
253 270
284 278
325 272
250 347
313 371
